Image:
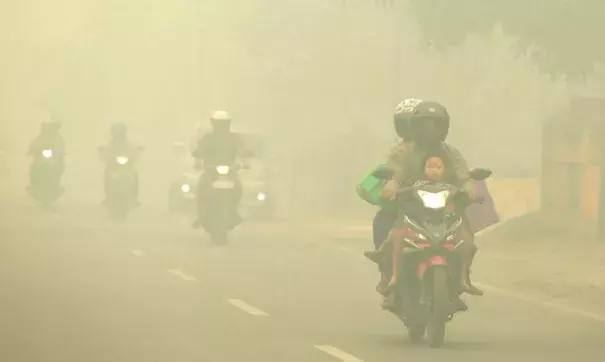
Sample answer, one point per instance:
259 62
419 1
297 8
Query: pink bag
482 215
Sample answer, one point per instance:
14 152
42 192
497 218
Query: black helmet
402 119
429 121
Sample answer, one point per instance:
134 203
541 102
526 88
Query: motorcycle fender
435 260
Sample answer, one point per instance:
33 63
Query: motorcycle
182 190
426 284
258 201
259 194
221 185
45 176
121 177
182 194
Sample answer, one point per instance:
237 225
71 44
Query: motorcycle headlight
185 188
261 196
433 200
122 160
222 170
47 153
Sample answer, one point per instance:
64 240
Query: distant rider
120 146
49 138
219 147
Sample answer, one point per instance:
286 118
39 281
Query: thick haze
320 77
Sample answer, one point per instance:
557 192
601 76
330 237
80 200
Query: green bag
370 189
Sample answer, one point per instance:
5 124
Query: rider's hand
389 191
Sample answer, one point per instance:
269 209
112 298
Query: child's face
434 169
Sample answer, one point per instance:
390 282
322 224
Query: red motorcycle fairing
433 260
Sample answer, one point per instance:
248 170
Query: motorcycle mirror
383 173
480 174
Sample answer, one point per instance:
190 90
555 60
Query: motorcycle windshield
484 214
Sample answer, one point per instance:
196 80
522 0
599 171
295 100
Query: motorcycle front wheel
440 307
416 332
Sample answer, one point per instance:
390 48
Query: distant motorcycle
182 191
258 197
121 177
45 176
220 211
182 194
426 282
258 201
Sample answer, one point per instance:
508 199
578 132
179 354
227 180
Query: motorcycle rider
120 145
386 216
429 125
49 138
426 128
219 147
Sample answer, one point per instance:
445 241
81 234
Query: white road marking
555 306
338 353
182 275
137 252
247 308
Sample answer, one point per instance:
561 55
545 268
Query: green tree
567 33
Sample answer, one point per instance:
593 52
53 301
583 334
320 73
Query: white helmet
220 115
221 121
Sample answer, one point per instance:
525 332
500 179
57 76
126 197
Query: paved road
75 289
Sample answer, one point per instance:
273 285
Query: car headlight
122 160
222 170
47 153
261 196
185 188
433 200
